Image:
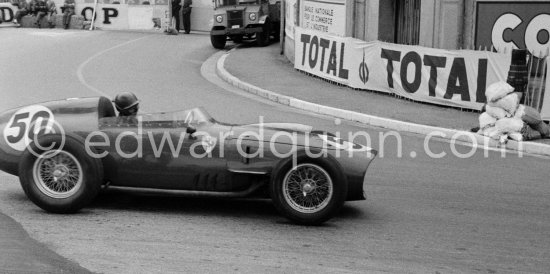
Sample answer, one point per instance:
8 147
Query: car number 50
25 124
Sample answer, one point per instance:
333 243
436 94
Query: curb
475 140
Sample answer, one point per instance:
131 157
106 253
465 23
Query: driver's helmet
126 103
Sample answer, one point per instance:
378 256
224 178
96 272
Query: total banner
452 78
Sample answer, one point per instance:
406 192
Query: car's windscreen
235 2
191 117
194 116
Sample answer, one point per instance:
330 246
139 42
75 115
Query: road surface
486 213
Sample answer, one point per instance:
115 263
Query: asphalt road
487 213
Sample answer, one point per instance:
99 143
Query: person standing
186 13
23 9
176 5
68 12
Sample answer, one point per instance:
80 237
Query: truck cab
237 19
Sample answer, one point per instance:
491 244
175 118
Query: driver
127 104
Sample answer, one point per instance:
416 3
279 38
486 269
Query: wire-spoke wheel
58 174
307 188
60 177
309 192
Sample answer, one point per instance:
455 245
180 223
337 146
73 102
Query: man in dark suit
176 5
186 13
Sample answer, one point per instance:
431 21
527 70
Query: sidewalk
274 72
264 70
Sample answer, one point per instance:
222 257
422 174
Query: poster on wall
515 24
291 8
452 78
326 16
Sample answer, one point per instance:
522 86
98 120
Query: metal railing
537 66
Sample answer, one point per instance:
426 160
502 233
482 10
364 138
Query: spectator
186 13
23 10
52 9
39 9
68 12
176 5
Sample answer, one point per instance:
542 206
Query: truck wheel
309 193
218 41
262 38
277 31
58 175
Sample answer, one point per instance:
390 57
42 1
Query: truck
239 19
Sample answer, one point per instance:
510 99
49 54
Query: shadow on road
201 206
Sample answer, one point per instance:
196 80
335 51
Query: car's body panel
155 150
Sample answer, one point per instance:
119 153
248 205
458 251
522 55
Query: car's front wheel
58 175
309 193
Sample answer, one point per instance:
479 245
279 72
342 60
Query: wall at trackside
129 14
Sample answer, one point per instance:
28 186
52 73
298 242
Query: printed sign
108 16
7 12
519 24
454 78
25 124
326 16
322 55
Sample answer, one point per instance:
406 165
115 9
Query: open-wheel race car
65 151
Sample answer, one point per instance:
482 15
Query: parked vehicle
238 19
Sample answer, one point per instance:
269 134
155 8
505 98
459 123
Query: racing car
64 152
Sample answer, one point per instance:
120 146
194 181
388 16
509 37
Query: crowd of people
41 9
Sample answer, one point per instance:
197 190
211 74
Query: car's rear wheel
309 193
58 175
218 41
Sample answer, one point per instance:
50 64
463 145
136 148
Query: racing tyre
262 38
218 41
58 175
309 193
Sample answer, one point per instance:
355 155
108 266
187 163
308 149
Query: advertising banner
108 16
514 24
7 12
140 17
326 16
323 55
452 78
123 16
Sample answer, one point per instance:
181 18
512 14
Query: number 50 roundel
25 124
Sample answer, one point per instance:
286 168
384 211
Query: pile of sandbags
502 116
